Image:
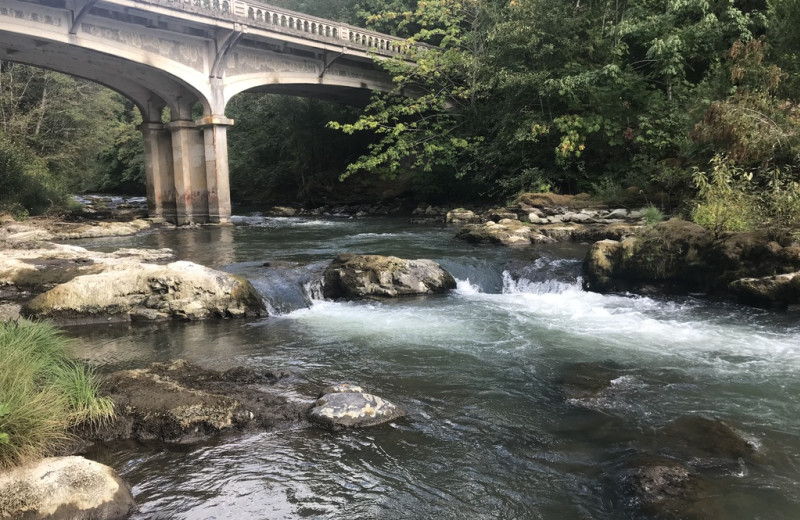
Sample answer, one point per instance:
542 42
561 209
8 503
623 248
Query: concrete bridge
192 55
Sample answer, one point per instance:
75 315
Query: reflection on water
490 433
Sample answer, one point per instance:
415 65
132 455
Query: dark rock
778 291
353 410
679 256
181 402
667 489
587 380
374 276
695 435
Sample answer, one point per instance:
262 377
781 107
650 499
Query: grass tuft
42 392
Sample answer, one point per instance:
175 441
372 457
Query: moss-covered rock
374 276
679 256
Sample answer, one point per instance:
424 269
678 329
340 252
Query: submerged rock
346 406
374 276
144 291
181 402
588 380
667 489
64 488
696 435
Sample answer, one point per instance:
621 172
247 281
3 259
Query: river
490 433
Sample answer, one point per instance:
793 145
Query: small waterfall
513 285
313 291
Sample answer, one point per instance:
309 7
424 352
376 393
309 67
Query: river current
489 433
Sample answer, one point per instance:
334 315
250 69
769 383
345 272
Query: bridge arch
176 53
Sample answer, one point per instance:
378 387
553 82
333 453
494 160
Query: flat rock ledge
374 276
74 285
181 290
64 488
180 402
348 406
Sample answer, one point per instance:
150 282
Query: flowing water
490 433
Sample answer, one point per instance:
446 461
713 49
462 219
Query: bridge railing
290 22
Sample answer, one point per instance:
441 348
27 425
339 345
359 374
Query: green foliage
652 215
29 187
726 199
420 124
609 191
42 392
281 151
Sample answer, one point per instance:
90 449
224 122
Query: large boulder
145 291
64 488
679 256
374 276
778 291
182 402
348 406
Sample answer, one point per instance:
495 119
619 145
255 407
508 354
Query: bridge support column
158 166
215 136
189 166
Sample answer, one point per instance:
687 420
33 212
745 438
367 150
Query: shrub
28 185
652 215
726 198
42 392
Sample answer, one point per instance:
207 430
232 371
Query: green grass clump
42 392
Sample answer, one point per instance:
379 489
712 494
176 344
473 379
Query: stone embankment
540 218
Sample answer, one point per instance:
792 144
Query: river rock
375 276
679 256
144 291
507 232
181 402
353 409
282 211
64 488
778 291
667 489
695 436
462 216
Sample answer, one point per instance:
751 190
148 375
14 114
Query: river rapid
490 433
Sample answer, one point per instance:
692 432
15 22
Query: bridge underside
163 57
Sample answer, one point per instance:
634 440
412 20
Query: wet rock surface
667 489
698 436
64 488
348 406
181 402
374 276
